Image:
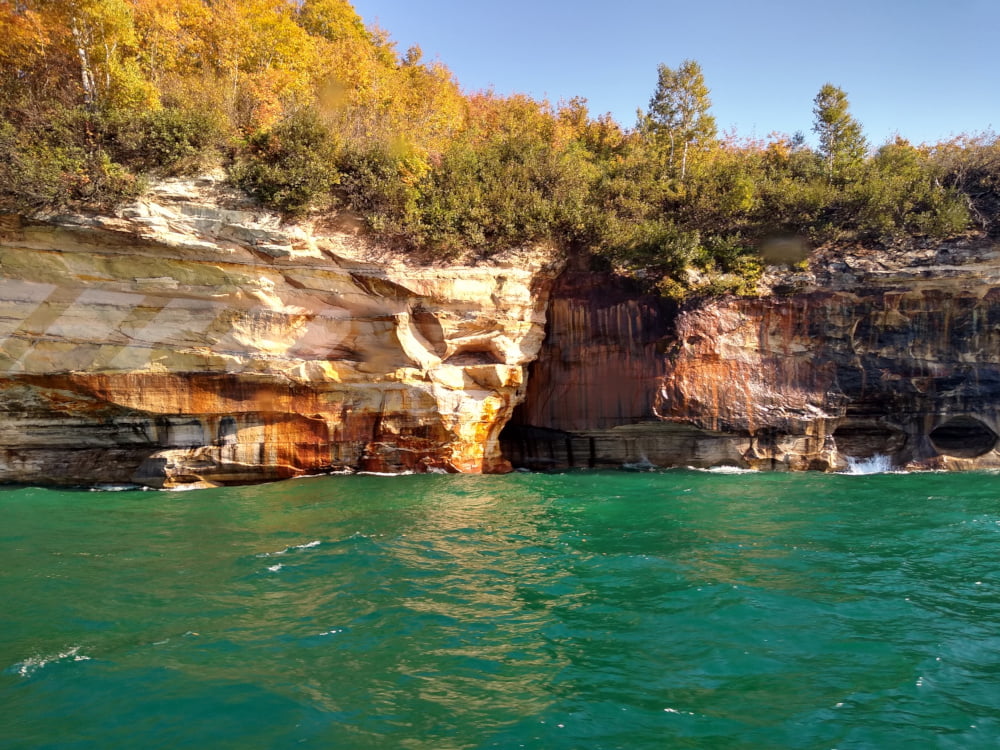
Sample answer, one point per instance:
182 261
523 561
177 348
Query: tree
331 19
678 112
842 143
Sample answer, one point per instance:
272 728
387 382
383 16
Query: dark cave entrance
963 437
865 439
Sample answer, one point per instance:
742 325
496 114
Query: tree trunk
86 70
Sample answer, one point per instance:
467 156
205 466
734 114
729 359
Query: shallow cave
963 437
864 440
474 355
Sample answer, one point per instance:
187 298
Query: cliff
892 354
192 339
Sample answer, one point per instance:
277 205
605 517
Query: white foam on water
877 464
188 487
286 550
32 664
643 464
724 470
275 568
385 473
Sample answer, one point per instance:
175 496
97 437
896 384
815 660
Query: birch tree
678 115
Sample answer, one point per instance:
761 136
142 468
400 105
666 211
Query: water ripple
639 610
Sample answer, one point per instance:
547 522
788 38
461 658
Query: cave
963 437
227 434
481 354
867 439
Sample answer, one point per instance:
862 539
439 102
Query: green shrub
290 167
374 183
62 162
170 141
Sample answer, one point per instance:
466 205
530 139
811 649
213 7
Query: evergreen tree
678 112
842 143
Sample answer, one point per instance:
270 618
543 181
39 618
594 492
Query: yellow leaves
171 35
333 20
266 59
778 152
253 61
516 118
250 36
23 32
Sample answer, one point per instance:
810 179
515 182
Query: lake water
677 609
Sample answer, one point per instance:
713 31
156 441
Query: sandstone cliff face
893 355
181 343
591 393
192 340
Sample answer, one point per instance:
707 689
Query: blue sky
926 69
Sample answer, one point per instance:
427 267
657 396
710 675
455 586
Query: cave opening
227 433
865 440
963 437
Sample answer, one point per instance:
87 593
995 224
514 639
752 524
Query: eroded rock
193 340
892 354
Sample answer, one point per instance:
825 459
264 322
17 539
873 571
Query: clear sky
926 69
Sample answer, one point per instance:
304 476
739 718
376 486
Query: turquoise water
590 610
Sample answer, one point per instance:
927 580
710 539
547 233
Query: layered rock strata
192 340
894 356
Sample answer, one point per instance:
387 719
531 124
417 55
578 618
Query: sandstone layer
893 355
193 340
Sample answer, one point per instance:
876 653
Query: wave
877 464
643 464
32 664
286 550
724 470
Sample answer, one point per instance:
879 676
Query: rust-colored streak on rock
873 355
602 358
190 342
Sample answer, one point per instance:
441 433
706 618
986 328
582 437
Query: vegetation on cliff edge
310 111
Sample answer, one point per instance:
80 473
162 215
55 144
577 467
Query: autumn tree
678 114
25 33
842 143
308 109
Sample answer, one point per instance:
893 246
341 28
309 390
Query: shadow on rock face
963 437
867 439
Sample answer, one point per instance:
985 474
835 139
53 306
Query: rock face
192 340
181 343
591 394
888 356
